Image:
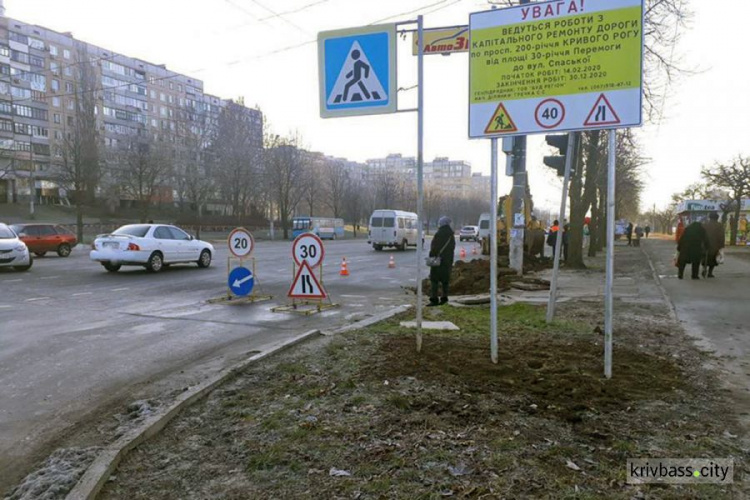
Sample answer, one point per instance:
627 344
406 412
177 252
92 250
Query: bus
326 228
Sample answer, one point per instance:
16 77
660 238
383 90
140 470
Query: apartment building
41 74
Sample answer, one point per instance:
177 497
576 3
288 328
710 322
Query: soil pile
473 277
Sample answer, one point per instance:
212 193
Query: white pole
420 165
493 251
608 305
558 241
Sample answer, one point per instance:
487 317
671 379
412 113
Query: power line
280 16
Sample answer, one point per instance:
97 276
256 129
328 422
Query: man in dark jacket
715 236
443 245
629 233
692 246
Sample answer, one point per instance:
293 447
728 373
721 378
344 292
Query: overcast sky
251 48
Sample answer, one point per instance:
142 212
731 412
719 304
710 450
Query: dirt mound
473 277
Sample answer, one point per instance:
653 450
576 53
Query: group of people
699 244
638 231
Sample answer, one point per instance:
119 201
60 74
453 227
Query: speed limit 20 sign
308 248
241 242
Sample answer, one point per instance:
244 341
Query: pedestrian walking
552 235
565 240
691 247
715 236
680 230
629 234
647 230
443 245
638 235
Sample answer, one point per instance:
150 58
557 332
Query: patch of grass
292 368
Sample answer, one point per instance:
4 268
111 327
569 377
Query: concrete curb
377 318
97 474
657 280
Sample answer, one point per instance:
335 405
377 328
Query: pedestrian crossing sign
357 71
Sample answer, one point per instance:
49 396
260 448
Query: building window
162 97
56 118
6 125
17 37
53 50
54 68
66 53
36 61
58 135
35 43
55 85
56 102
171 86
5 107
4 51
71 105
68 71
21 57
70 121
68 87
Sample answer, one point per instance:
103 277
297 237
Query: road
714 311
78 342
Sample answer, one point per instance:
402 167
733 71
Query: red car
43 238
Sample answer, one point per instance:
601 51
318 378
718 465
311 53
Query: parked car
152 246
43 238
469 233
13 252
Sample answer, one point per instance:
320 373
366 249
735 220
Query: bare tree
735 177
146 166
356 202
695 191
314 182
80 170
285 176
336 182
238 159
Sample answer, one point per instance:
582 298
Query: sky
266 52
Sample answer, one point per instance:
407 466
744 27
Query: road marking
82 293
3 306
355 296
37 298
120 289
49 277
12 281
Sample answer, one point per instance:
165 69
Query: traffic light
558 161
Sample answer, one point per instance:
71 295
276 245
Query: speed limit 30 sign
308 248
241 242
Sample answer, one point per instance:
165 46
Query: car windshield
468 228
134 230
6 233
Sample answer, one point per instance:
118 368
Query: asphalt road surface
715 311
77 339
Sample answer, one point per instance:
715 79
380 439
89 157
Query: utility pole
32 177
516 220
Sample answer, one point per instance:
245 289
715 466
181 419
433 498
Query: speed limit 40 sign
241 242
308 248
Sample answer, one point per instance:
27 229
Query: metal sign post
558 240
420 174
493 250
608 303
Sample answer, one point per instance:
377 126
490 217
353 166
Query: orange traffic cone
462 253
391 263
344 270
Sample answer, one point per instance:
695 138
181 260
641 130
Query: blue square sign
357 70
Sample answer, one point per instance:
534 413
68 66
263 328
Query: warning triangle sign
357 81
306 285
602 113
501 122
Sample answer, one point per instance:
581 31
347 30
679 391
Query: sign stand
608 299
493 250
307 306
241 245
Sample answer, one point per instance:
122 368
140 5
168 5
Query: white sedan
150 245
13 251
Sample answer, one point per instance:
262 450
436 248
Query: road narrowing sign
241 242
306 285
357 71
556 66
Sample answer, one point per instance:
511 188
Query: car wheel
112 268
25 268
378 248
155 262
403 246
63 250
205 259
40 254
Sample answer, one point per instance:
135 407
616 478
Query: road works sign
556 66
357 71
306 285
442 41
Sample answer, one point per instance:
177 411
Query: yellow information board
554 66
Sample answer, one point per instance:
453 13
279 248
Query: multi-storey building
134 100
